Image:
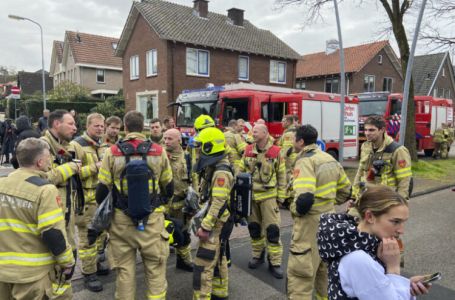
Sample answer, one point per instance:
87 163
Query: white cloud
22 41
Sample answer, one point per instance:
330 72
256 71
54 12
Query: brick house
369 68
87 60
433 75
167 48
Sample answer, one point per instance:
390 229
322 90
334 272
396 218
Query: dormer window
380 59
443 72
114 45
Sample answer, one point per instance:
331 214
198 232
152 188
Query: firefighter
438 139
176 155
210 277
382 161
235 142
89 150
156 131
318 182
451 135
33 242
63 170
445 141
113 125
135 193
262 159
286 143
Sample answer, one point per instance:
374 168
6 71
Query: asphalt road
429 242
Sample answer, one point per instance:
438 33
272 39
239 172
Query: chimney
331 46
236 15
201 8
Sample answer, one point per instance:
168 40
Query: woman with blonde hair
363 255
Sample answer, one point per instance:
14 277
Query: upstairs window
380 59
277 72
244 66
368 83
332 85
100 76
134 67
197 62
151 62
387 84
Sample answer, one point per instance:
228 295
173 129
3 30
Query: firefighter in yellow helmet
319 182
210 275
263 160
140 177
33 241
89 150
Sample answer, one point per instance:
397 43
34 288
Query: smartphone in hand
431 278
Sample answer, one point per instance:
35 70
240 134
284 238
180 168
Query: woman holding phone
364 256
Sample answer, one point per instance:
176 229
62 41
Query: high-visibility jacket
286 143
30 207
219 191
438 136
268 170
235 142
114 162
396 172
107 141
89 152
180 177
318 173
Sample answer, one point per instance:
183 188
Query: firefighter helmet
212 141
203 121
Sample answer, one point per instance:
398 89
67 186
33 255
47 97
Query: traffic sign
321 144
15 90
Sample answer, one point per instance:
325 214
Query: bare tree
444 12
395 11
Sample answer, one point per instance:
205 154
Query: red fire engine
430 112
252 102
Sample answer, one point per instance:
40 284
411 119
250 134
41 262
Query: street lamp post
42 52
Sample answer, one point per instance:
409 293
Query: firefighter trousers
184 251
37 290
264 228
306 271
87 253
152 243
210 275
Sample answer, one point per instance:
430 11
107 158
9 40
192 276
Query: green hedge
34 108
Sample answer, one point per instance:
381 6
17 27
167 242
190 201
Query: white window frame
134 67
332 85
198 72
374 83
247 67
380 59
275 67
104 76
443 72
391 83
151 61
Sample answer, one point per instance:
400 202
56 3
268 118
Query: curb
432 190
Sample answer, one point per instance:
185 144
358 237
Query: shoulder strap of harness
81 141
273 152
143 148
38 181
391 147
127 149
224 167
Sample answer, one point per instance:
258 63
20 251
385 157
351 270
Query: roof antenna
78 37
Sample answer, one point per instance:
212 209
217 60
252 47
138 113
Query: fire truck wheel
333 153
428 152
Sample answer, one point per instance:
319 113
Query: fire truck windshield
372 107
189 111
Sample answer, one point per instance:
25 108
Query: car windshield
189 111
372 107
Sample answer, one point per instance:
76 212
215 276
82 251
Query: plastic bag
103 214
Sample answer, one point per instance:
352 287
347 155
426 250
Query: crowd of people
154 185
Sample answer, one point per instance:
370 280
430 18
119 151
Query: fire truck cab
430 112
251 102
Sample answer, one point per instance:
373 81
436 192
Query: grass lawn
441 169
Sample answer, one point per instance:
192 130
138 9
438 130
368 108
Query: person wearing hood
364 256
24 130
210 275
318 182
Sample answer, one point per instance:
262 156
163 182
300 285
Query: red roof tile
58 45
93 49
319 64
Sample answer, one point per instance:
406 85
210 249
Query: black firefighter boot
92 283
255 262
183 265
276 271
